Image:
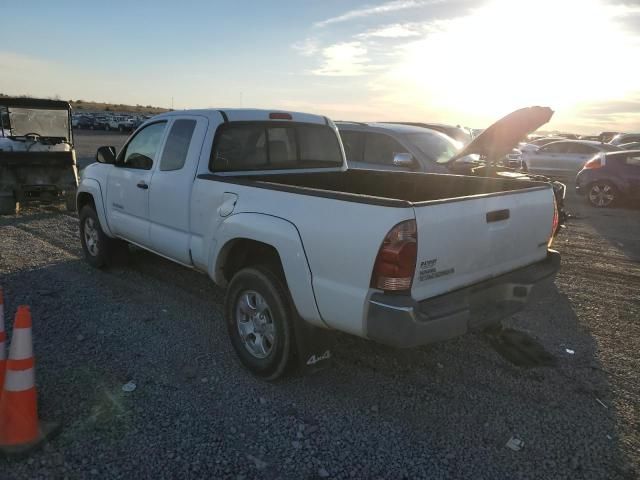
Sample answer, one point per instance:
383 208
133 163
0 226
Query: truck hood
502 136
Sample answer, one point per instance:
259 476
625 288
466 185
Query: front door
128 185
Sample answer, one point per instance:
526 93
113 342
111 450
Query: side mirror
403 160
106 155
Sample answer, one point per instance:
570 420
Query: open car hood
505 134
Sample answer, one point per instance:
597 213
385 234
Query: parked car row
121 123
605 173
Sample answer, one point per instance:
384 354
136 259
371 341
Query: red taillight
396 260
280 116
593 163
555 223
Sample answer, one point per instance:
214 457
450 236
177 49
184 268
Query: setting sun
509 54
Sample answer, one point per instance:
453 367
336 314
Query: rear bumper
400 321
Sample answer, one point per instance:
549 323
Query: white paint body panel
468 249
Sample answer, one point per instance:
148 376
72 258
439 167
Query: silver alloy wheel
601 195
91 236
255 324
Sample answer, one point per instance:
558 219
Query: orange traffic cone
3 343
20 429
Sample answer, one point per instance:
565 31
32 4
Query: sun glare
509 54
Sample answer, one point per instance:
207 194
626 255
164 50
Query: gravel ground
444 411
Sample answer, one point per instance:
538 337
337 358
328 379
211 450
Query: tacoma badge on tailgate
428 270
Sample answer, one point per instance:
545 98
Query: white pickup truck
264 203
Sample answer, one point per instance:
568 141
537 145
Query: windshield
47 123
609 148
436 147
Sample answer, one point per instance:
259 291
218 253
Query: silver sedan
564 158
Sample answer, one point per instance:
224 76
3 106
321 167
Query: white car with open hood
263 202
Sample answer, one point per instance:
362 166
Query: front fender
92 187
284 237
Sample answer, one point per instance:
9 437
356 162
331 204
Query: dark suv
609 178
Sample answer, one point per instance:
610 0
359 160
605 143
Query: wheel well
244 252
85 199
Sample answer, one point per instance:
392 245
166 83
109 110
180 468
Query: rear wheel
70 201
259 315
602 194
8 205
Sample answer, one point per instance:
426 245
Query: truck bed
399 189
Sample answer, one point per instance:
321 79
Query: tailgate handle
497 215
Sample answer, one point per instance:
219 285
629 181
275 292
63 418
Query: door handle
497 215
141 184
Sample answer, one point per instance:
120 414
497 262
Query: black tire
602 194
107 249
280 314
70 201
8 205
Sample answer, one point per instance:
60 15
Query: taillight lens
593 163
556 222
396 260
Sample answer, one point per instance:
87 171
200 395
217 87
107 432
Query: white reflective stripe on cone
21 347
20 380
3 351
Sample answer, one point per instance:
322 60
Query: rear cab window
247 146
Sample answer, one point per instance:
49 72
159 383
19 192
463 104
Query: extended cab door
171 184
128 185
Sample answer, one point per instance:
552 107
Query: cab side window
140 152
555 148
177 146
581 149
380 148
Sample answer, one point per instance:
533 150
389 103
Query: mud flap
314 346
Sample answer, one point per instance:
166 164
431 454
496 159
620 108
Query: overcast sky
460 61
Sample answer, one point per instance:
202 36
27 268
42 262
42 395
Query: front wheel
602 194
99 249
259 314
